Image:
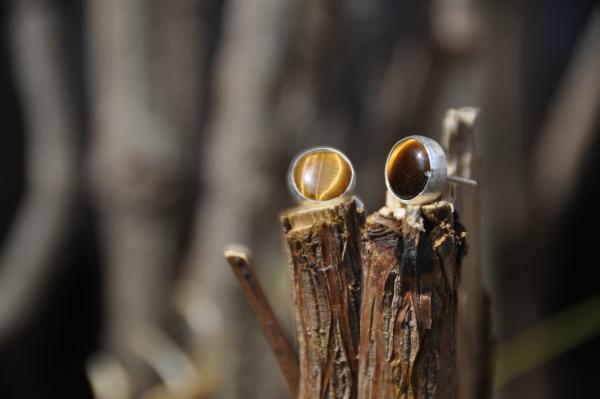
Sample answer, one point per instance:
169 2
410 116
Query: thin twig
240 261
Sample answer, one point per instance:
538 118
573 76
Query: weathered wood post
411 257
322 242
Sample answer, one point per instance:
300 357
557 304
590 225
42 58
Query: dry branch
323 249
239 259
411 258
474 326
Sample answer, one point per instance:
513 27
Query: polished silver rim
293 188
438 171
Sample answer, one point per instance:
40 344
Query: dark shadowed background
140 137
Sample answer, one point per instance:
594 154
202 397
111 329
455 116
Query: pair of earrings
415 173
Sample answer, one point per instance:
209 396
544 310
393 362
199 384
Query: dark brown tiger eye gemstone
322 175
408 168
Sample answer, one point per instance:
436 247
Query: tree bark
411 258
323 249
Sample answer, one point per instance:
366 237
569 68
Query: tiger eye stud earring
416 170
321 174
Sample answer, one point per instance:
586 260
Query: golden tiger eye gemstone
322 175
408 168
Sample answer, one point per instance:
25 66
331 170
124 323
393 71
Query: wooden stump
411 257
322 243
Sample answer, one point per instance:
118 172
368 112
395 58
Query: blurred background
142 136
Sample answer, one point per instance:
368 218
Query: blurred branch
237 184
474 320
546 340
180 61
137 177
179 376
108 378
569 126
29 256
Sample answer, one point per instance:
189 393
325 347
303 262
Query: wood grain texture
323 249
411 258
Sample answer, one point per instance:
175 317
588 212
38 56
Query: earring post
462 180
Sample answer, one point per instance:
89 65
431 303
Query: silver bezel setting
299 197
438 172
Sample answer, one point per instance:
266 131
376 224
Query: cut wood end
311 214
315 205
235 252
